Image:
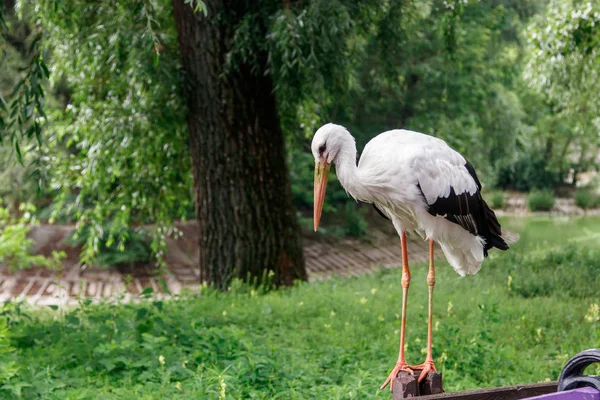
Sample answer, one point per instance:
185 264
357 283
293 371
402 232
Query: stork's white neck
347 171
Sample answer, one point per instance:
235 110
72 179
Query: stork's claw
425 368
400 366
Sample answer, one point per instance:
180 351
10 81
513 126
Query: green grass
517 321
544 232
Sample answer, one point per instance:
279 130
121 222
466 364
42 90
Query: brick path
325 257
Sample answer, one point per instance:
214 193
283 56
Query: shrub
586 198
134 245
530 170
15 245
497 199
540 200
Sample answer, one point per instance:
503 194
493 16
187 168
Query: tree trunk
247 221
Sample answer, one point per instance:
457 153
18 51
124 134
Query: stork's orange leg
401 364
428 366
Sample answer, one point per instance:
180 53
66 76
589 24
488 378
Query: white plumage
421 184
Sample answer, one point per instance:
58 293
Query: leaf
202 7
34 43
142 313
53 307
30 132
18 150
16 89
45 69
164 287
16 388
109 365
147 291
38 133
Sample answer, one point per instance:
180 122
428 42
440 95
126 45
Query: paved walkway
325 257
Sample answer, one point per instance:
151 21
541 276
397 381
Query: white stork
423 186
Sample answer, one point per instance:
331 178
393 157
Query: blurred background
512 85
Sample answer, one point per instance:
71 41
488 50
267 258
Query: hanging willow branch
22 111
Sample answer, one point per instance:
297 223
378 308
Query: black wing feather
380 212
471 212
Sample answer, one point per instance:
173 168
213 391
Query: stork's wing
440 171
456 197
451 189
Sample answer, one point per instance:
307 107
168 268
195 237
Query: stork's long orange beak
321 172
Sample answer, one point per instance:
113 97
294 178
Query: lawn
517 321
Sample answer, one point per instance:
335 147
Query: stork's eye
322 149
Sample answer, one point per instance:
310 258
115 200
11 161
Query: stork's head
326 145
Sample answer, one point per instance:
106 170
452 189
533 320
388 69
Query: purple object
585 393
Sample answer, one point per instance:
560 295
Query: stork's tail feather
510 237
498 242
494 239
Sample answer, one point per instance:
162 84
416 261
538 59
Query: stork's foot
400 366
425 368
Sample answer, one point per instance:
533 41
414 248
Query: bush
134 246
540 200
530 170
497 199
15 245
586 199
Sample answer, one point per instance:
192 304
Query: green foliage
562 65
249 344
540 200
8 368
16 185
307 47
586 198
342 209
354 220
465 93
133 246
15 245
324 55
120 143
517 99
529 170
497 199
22 108
302 168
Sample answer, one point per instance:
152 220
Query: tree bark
248 226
